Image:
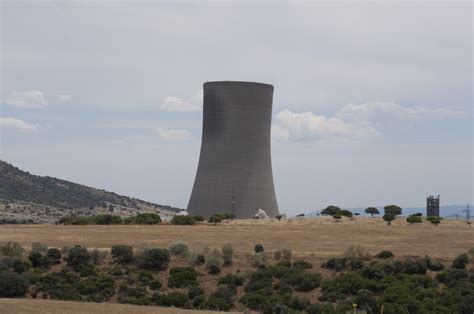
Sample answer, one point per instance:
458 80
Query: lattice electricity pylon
468 212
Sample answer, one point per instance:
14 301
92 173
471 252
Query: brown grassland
316 237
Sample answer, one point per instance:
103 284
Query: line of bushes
106 219
410 285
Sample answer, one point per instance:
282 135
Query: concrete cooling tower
235 169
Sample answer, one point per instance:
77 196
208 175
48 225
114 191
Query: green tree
122 254
345 212
388 218
155 258
393 209
372 211
331 210
12 285
78 256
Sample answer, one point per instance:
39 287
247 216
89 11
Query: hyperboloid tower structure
234 174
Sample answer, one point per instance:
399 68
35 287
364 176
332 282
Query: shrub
213 265
195 291
156 285
310 281
97 256
178 248
373 271
107 220
97 288
12 285
77 257
213 262
181 277
38 260
356 264
199 302
222 298
198 218
217 304
258 248
146 219
19 266
337 264
279 217
61 285
227 254
299 304
320 308
145 277
460 261
277 255
286 253
225 216
155 258
231 279
39 247
214 219
259 259
336 217
183 220
435 220
12 249
195 259
133 295
453 274
175 298
122 254
412 219
411 266
356 252
302 264
384 254
54 255
435 266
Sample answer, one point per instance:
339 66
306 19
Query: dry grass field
315 237
24 306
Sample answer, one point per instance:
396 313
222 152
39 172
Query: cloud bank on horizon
373 114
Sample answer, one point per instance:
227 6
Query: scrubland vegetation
265 281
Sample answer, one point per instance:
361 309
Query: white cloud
18 125
172 103
64 97
306 125
26 99
173 135
382 113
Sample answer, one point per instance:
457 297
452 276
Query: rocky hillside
30 195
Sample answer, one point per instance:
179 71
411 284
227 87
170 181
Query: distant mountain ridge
19 185
445 210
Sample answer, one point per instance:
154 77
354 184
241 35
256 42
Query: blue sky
372 103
